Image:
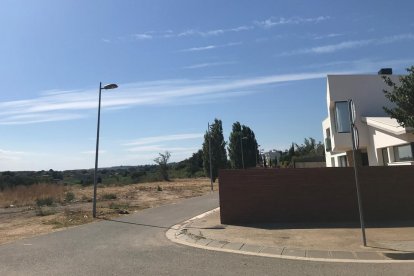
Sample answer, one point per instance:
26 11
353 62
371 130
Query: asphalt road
136 245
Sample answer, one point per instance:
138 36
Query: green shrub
46 201
108 196
70 196
116 206
45 211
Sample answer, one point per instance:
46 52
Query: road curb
179 234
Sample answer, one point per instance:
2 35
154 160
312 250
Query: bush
108 196
159 188
70 196
117 206
47 201
45 211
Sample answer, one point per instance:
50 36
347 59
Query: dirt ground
21 217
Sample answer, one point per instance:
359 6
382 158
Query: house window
403 153
342 161
385 158
328 146
342 117
364 159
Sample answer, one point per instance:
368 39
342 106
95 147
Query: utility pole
355 146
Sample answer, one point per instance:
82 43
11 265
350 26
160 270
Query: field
43 208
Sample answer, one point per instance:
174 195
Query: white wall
379 139
367 93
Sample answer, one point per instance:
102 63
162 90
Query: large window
342 117
403 153
385 159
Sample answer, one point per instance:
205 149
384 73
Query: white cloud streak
164 138
208 64
215 32
264 24
331 48
8 155
273 21
142 36
210 47
76 104
177 144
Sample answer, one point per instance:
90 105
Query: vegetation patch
46 201
69 197
45 211
118 205
109 196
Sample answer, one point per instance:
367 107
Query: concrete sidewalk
321 243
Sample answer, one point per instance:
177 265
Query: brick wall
315 195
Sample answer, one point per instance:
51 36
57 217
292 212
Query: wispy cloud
141 36
273 21
208 64
330 35
265 24
331 48
215 32
157 139
364 65
176 144
8 155
197 49
93 152
76 104
210 47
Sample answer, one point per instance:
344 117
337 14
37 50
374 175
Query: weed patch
46 201
110 196
69 197
45 211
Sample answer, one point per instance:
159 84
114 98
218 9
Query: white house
271 155
382 141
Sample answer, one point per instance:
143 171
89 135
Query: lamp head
110 86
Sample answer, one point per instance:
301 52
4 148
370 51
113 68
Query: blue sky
179 64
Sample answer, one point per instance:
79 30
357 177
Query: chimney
385 71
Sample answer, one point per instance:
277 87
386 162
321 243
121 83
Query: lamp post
95 177
209 155
241 142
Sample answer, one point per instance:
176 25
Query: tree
310 148
218 149
162 162
402 95
195 163
242 134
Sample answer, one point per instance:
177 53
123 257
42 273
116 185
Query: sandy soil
21 220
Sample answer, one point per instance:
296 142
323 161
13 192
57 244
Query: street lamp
241 142
209 155
95 177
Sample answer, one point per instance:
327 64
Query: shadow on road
138 224
218 227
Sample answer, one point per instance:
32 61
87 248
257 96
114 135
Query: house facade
382 141
272 156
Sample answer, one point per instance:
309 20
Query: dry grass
26 221
27 195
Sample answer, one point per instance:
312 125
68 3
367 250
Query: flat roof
387 124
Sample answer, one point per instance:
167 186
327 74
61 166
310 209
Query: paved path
136 245
205 231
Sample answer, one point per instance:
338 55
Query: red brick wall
315 195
